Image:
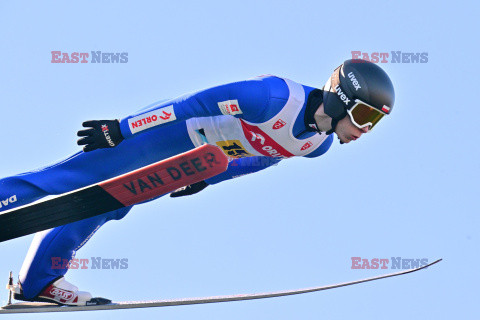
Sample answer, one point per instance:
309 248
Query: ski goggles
362 114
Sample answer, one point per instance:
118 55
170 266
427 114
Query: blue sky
408 189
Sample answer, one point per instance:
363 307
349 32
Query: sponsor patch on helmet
342 95
354 80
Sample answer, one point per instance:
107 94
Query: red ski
128 189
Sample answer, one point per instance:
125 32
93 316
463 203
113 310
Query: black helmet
357 81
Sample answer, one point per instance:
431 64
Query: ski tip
430 264
436 261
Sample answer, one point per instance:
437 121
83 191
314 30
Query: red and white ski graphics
133 187
166 176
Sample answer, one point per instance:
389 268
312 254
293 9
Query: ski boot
60 292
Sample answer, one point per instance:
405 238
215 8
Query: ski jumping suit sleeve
237 117
252 95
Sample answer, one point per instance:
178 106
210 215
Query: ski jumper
256 122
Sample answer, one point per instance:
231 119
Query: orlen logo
166 115
263 143
269 149
279 124
307 145
62 294
152 119
6 202
354 80
342 95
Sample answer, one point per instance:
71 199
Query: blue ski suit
256 122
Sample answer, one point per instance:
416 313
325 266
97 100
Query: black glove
189 190
101 134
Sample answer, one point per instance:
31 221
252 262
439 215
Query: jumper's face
347 131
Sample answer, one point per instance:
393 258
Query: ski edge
204 300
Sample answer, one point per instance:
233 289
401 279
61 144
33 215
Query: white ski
34 307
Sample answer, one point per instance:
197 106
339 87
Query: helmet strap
336 120
334 125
